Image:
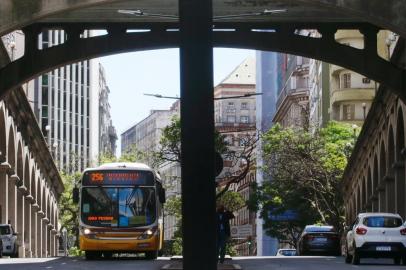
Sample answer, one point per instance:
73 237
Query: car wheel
355 258
107 255
15 252
348 257
396 260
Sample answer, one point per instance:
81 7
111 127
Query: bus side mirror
162 195
75 195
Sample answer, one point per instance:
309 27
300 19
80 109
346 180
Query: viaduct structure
196 26
30 184
375 178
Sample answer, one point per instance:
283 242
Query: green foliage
173 206
75 252
69 211
131 155
306 170
170 147
231 200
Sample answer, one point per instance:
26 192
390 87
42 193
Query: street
246 263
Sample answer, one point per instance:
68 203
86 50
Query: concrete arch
388 14
74 50
27 206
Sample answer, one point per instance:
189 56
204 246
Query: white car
9 239
286 252
376 235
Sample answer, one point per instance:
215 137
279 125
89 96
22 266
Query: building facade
235 119
293 99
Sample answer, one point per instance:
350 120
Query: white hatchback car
376 235
9 239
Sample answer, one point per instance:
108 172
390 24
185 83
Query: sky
131 75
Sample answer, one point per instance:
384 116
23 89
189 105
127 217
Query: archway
374 194
27 208
11 158
400 176
3 158
390 185
33 213
368 195
20 199
382 184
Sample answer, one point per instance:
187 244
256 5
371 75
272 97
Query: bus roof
121 166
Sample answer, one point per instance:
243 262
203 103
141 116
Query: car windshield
4 230
382 222
320 229
118 207
288 252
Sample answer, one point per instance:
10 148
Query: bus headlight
87 231
147 234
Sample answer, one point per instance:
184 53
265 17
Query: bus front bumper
117 244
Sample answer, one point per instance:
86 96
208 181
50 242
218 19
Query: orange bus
120 210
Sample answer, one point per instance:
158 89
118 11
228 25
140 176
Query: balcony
351 94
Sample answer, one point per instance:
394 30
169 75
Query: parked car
320 240
376 235
286 252
9 240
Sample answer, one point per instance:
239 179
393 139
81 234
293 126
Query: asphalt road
246 263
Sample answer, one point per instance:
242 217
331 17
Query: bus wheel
92 255
151 255
108 255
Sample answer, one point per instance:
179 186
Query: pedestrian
223 230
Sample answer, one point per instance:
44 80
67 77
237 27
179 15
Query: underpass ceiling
228 8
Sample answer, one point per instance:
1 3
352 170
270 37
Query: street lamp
364 106
354 128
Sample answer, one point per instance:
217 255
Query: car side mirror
162 195
15 234
75 195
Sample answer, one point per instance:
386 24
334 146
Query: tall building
108 135
66 103
268 81
145 135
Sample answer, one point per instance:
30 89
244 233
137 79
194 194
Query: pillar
197 125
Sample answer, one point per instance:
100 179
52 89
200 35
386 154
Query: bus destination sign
121 177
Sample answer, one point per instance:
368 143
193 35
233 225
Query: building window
244 119
366 80
244 106
230 119
346 80
348 112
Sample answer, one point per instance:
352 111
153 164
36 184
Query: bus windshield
118 206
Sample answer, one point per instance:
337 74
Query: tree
306 171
